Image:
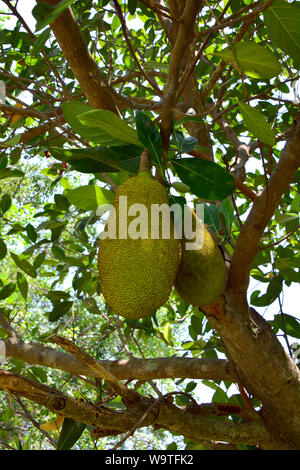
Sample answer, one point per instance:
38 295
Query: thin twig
124 29
35 423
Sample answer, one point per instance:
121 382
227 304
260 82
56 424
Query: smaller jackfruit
201 275
137 274
180 187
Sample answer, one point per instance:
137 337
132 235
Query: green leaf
3 249
184 144
40 42
38 261
90 197
11 142
206 179
72 110
40 373
227 210
22 284
5 203
288 324
24 265
56 295
3 162
220 396
45 14
254 60
70 433
132 4
10 173
50 225
257 124
167 332
149 136
100 159
190 387
58 252
7 290
110 123
61 202
282 20
273 291
211 216
31 232
59 310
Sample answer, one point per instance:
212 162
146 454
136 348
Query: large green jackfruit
201 275
137 275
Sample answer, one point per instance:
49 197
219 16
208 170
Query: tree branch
158 413
76 53
184 37
129 369
261 213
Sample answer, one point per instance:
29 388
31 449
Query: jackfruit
201 274
137 274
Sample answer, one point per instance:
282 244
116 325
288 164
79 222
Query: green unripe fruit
201 275
137 275
180 187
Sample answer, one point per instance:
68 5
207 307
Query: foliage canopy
210 90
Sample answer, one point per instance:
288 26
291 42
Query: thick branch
265 370
76 53
131 369
184 37
261 213
162 415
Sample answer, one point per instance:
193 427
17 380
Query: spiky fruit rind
201 275
137 275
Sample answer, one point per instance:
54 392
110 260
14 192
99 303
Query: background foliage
60 158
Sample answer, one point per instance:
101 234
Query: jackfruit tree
141 343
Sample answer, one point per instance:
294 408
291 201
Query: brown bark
261 213
265 369
158 413
125 369
84 68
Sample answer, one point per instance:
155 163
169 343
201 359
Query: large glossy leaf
70 433
257 124
111 124
149 135
254 60
72 110
100 159
90 197
206 179
282 20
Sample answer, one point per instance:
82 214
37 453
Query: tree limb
158 413
261 213
129 369
75 51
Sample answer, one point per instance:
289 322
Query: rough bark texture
77 55
126 369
